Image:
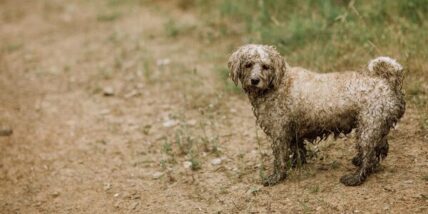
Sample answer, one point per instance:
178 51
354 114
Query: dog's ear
234 65
279 65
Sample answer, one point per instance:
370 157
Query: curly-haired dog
292 105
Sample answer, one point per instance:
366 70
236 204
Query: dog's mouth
255 89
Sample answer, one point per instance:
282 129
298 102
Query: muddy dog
293 106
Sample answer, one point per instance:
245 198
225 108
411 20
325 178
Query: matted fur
293 105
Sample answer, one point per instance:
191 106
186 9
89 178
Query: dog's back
331 102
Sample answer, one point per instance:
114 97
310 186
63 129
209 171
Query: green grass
171 28
329 34
174 29
229 86
108 17
12 47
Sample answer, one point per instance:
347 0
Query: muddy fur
293 106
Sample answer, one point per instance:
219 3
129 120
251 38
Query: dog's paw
352 180
274 179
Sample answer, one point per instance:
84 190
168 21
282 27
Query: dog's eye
249 65
265 67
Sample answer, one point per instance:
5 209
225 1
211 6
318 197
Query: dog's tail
388 69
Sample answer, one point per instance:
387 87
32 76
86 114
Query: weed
314 189
183 141
229 86
146 129
108 17
12 47
163 164
254 190
171 28
336 35
147 72
335 165
209 143
306 208
196 164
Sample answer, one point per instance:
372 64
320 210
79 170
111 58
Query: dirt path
112 106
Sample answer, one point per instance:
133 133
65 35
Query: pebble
55 194
169 123
216 161
192 122
163 62
5 131
107 186
108 91
253 190
187 164
157 175
135 205
408 182
104 111
132 94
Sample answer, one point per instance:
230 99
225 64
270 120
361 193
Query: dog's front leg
280 153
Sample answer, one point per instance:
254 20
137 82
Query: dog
294 105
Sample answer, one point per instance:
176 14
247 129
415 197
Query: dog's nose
255 81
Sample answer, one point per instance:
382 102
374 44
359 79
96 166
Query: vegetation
333 35
330 35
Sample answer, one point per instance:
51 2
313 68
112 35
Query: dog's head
257 67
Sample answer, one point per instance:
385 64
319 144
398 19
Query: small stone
216 161
135 205
187 164
157 175
318 208
108 91
253 190
169 123
107 186
408 182
140 86
116 195
163 62
117 204
104 111
5 131
132 94
192 122
55 194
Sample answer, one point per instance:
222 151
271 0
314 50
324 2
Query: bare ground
112 107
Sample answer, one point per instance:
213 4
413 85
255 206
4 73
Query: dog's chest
270 116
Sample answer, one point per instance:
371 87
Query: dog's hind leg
381 151
357 160
372 143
